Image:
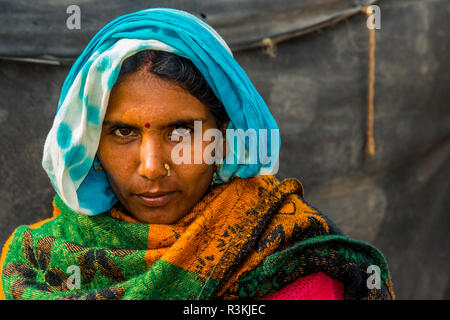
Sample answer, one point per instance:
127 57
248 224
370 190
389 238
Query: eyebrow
176 123
118 124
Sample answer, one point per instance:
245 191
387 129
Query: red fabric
316 286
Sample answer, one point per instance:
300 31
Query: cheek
194 174
118 162
195 177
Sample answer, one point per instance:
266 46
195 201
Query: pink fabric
316 286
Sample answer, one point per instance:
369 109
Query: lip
156 199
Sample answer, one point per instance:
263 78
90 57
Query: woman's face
135 144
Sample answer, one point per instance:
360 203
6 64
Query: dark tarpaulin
316 87
37 29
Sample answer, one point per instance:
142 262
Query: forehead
144 97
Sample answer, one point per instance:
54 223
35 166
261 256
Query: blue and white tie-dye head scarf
72 142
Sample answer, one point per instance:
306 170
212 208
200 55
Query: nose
151 164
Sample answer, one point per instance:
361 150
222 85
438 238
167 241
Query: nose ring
166 165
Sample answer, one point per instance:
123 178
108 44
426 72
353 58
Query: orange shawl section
213 240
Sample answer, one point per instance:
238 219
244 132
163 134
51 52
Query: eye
123 132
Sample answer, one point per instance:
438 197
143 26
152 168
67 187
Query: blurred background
310 61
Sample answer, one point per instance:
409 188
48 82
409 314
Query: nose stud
166 165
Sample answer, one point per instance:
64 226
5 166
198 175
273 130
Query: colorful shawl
245 239
72 142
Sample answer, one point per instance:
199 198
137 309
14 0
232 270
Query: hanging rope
370 141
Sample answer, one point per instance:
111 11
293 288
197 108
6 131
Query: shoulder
24 237
22 240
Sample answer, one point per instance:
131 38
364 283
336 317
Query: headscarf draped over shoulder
71 145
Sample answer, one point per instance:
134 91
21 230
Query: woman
147 207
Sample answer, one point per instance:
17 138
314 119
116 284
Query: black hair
181 71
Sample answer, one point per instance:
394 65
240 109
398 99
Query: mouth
156 199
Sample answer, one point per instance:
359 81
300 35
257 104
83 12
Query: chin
158 216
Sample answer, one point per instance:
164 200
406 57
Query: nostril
152 168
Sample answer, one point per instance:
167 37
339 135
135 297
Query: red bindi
147 125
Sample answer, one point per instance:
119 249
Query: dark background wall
315 83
